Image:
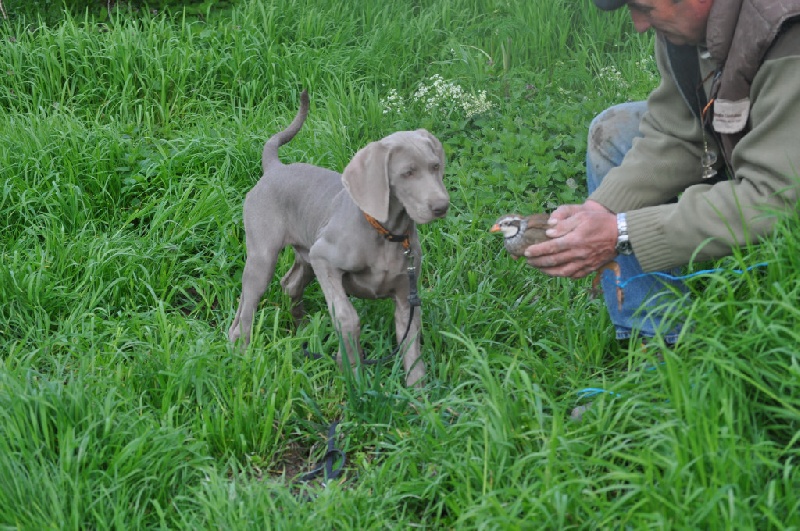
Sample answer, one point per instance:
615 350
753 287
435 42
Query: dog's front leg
410 347
342 312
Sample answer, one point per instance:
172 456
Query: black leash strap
395 350
309 354
329 459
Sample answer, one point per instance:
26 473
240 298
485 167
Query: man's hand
584 238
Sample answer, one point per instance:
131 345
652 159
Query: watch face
624 248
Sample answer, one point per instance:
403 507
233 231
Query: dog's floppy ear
366 179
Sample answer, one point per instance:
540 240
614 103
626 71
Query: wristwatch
623 242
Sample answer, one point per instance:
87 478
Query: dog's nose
440 210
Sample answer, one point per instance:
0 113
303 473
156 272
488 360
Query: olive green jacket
763 150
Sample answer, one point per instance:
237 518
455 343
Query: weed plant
127 146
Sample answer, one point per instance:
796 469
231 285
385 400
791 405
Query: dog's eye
435 167
409 172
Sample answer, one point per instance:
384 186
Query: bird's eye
435 167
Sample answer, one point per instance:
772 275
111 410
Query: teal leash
588 392
622 284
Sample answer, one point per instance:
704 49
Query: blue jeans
644 310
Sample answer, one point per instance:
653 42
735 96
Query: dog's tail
270 154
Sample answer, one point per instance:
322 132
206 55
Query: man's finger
563 212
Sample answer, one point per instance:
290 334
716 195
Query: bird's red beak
495 228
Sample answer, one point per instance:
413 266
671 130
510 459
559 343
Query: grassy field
126 147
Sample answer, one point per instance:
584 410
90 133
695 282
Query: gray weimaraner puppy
351 231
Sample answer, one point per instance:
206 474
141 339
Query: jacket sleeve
665 160
708 221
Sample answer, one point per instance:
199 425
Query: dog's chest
379 279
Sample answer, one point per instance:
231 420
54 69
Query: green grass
127 146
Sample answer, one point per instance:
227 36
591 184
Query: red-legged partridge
519 232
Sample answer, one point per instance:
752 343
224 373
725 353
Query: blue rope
622 284
589 392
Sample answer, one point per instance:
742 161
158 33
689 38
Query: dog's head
407 166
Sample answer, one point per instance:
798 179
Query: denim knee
611 135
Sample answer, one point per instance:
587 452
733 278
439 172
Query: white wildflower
392 102
612 75
436 93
